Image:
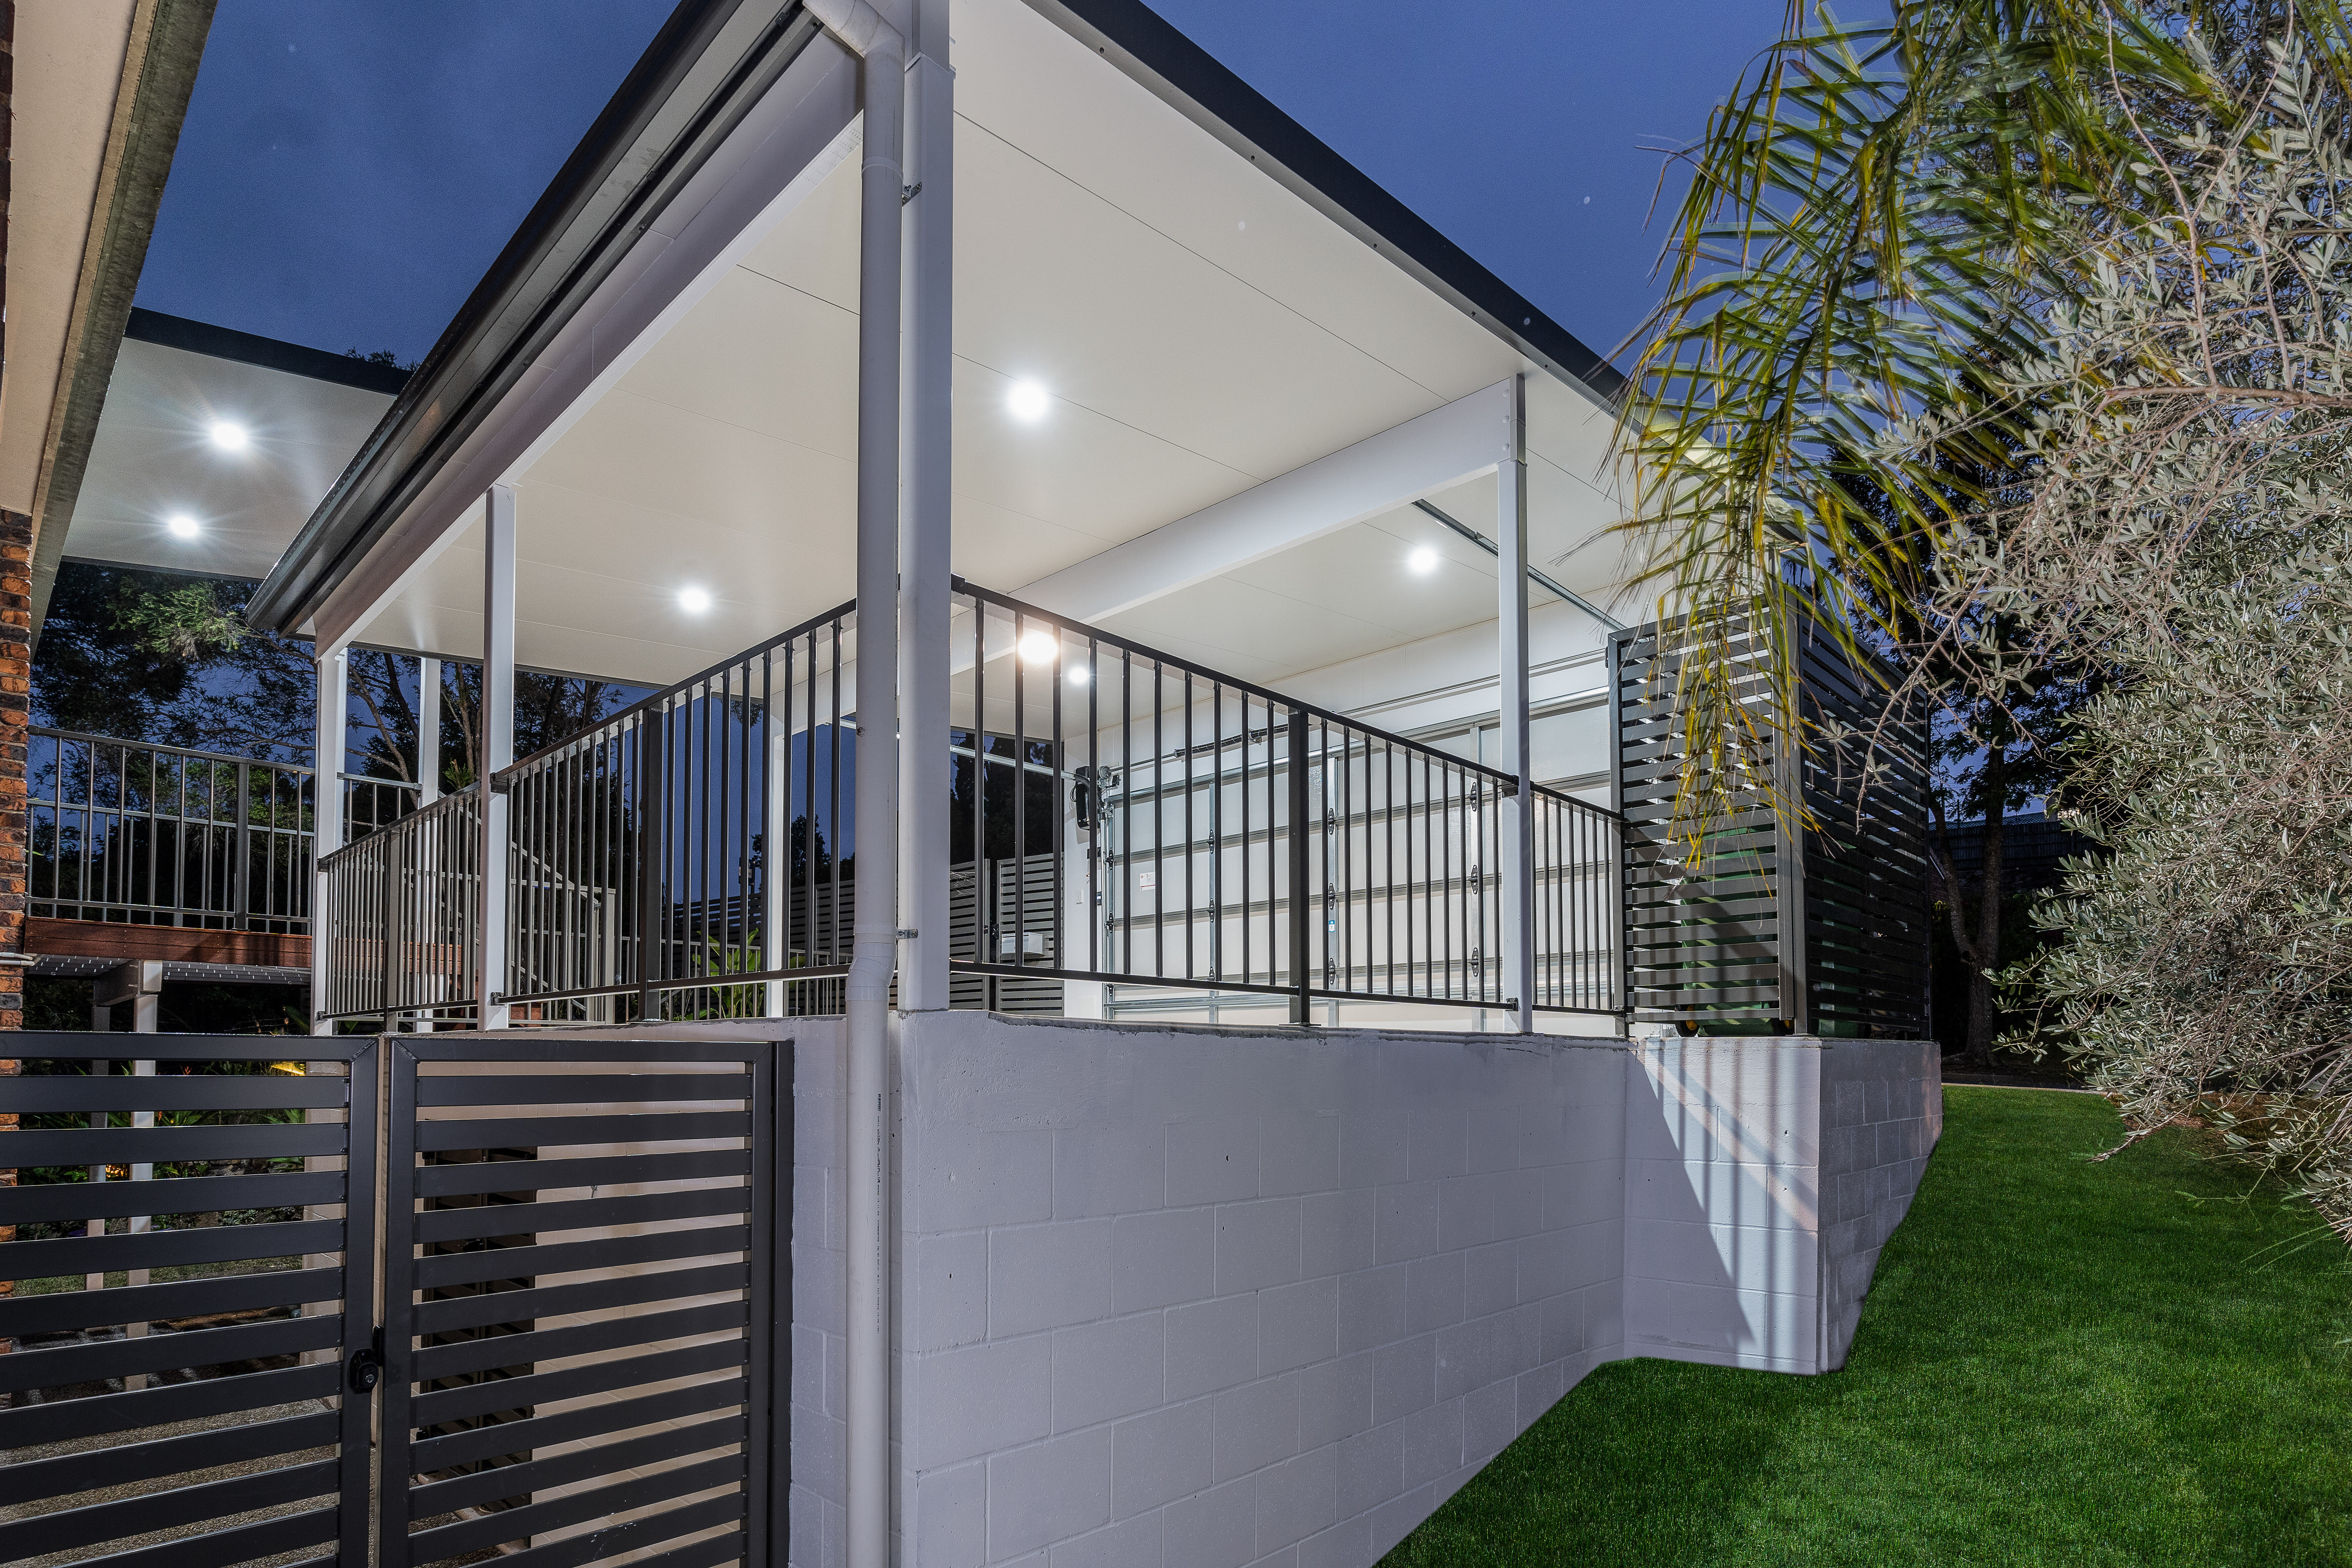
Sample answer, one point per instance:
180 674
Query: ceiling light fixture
1027 400
693 601
182 525
1423 560
230 438
1039 648
1078 675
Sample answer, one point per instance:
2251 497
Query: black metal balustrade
1166 796
149 835
402 915
1117 816
688 857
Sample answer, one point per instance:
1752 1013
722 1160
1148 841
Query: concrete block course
1253 1296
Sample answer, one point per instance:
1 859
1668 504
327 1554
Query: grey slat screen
185 1231
1814 923
584 1306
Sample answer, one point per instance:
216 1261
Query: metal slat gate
581 1345
193 1414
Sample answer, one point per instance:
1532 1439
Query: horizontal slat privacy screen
1809 921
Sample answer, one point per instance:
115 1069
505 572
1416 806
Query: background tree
2188 536
152 655
1878 216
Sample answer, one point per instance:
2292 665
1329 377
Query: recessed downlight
183 526
693 601
1423 560
1028 401
230 437
1039 648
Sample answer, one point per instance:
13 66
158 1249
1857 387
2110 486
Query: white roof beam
1441 448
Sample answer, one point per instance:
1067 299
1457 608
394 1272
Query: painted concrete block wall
1762 1177
1882 1113
1220 1298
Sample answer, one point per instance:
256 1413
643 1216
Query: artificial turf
2062 1362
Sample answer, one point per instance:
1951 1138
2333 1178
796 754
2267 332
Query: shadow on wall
1762 1177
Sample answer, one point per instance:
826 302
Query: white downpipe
326 815
428 730
498 744
925 528
1515 841
882 52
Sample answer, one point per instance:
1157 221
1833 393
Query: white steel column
428 730
333 709
776 855
498 745
882 52
1516 839
925 535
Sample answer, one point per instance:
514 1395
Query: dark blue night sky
350 168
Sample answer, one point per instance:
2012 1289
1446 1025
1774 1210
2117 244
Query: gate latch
367 1366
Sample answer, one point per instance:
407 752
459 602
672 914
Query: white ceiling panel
153 457
1199 330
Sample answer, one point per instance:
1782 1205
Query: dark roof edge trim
707 69
1190 79
249 348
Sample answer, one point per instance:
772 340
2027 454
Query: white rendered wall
1194 1296
1199 1296
1761 1178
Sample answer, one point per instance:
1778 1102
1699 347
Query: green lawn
2061 1362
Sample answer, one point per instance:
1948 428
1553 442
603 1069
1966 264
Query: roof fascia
709 66
799 132
270 353
1191 80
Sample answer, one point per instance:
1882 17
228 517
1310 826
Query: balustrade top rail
844 615
1234 683
455 802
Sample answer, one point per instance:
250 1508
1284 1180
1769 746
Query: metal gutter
709 65
1191 80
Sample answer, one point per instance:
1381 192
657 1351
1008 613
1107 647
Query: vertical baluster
1060 956
833 810
977 737
1158 823
1131 780
1190 916
1242 795
1020 796
1097 881
1217 829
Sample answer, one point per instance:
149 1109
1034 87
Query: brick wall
15 716
16 699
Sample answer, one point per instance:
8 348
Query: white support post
881 49
925 533
776 857
428 730
498 746
1516 839
326 816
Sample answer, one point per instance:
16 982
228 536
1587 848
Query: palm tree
1878 219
